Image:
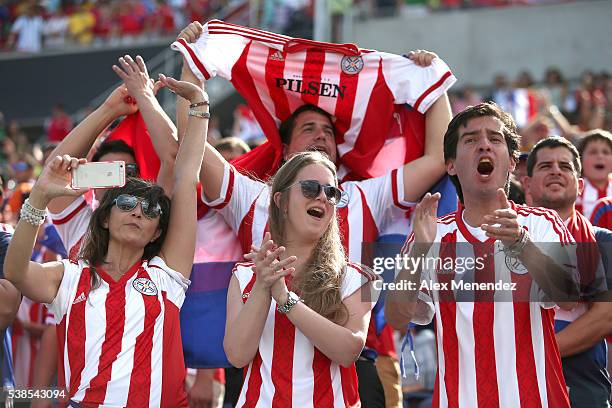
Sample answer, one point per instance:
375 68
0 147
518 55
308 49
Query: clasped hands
270 269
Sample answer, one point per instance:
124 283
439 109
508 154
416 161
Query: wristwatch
292 300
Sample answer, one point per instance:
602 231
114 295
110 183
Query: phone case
99 175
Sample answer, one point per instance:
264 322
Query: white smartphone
99 175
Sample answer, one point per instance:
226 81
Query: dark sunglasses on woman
312 188
127 202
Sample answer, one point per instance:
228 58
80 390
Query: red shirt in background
104 23
162 19
58 128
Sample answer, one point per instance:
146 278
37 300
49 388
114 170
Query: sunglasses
127 202
312 188
131 170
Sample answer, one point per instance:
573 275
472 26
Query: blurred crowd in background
31 26
550 105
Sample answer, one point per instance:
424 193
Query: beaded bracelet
32 215
195 105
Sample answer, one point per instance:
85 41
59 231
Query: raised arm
191 33
39 282
421 174
80 140
211 173
163 132
179 246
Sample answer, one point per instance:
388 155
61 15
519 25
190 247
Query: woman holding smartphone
117 306
295 313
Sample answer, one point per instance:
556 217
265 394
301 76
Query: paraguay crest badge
145 286
351 65
515 265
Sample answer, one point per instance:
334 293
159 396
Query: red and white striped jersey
288 370
71 225
244 204
494 351
121 342
48 318
585 202
587 257
276 74
25 344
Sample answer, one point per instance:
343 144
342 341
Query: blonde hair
319 284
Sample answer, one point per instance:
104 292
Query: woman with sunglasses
117 306
298 313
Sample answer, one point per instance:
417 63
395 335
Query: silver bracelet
199 114
292 300
518 246
34 210
32 215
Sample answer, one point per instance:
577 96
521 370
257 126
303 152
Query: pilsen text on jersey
311 87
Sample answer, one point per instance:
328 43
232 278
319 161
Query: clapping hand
268 268
425 219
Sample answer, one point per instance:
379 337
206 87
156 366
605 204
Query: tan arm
421 174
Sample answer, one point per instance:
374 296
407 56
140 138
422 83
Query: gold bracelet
198 114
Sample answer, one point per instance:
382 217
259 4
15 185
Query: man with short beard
553 181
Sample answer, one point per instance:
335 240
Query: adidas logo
277 56
79 299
